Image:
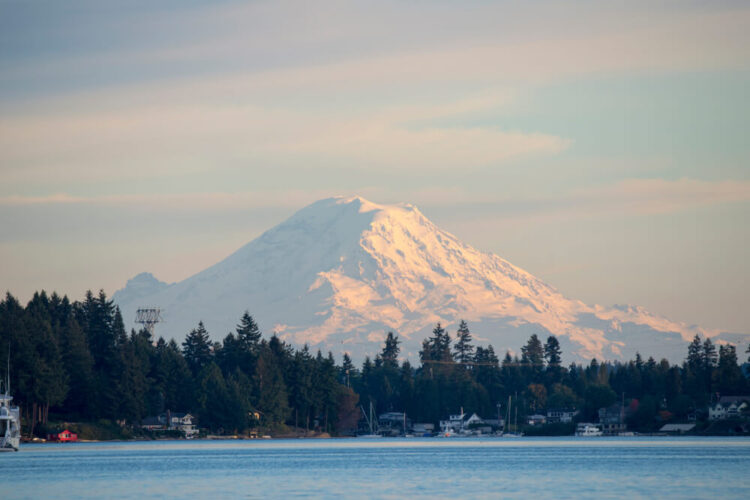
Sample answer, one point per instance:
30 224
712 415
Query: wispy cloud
632 196
180 137
626 197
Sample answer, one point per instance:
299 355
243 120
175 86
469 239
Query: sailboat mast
371 422
507 418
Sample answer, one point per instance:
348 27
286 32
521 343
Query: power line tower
148 317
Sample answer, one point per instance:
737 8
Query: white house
728 407
560 415
460 423
182 422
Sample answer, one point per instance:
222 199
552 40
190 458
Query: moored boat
588 430
10 421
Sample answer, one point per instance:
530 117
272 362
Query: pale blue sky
602 146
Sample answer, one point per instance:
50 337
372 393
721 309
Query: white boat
588 430
10 420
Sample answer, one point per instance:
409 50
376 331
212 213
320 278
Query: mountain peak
357 204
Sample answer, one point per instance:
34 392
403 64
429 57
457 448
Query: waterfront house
728 407
153 424
393 423
537 419
612 419
460 423
423 429
182 422
63 436
560 415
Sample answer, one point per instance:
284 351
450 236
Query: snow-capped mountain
342 272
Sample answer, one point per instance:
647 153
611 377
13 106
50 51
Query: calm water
386 468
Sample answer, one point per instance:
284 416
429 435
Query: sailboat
509 434
371 423
10 419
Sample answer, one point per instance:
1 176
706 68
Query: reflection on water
387 468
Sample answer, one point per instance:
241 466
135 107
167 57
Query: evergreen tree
213 399
104 329
390 352
301 387
463 351
271 398
695 355
709 355
134 383
533 352
437 347
239 387
552 352
79 365
230 356
48 382
709 363
348 371
730 379
197 349
174 378
248 333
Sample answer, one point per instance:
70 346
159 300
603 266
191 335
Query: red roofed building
63 436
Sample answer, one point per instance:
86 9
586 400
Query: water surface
384 468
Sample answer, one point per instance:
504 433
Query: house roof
734 399
152 421
677 427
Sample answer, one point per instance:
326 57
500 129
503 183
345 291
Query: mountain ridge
341 272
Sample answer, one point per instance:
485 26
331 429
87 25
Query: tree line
75 361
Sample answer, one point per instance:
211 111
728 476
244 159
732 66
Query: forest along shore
75 362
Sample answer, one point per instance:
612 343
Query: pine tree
695 355
271 397
79 365
230 356
709 355
175 379
104 330
463 351
348 371
390 352
709 364
213 398
533 352
197 348
730 379
133 383
248 333
301 387
552 352
437 347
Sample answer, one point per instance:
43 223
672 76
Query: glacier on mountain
342 272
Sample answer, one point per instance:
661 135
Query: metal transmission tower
148 317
